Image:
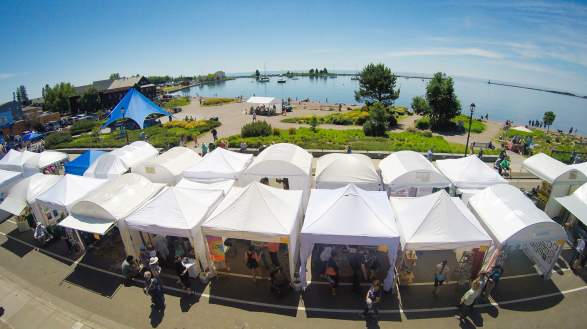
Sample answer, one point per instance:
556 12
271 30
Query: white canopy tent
522 129
468 175
258 100
576 203
513 221
8 179
336 170
106 205
35 164
280 161
135 153
14 160
223 186
409 173
25 193
437 222
176 212
106 166
168 167
219 165
563 179
582 167
349 215
259 213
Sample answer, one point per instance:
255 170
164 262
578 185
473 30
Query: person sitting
504 167
279 284
129 269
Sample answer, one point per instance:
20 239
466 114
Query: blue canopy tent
136 107
33 135
82 162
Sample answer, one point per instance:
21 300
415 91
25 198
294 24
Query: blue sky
533 42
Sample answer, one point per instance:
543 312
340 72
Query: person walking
204 149
372 299
254 116
154 289
252 261
468 301
440 275
182 274
154 267
577 258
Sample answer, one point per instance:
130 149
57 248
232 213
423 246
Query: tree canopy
90 100
57 97
419 105
378 121
444 104
377 84
21 95
114 76
548 119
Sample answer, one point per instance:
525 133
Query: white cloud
478 52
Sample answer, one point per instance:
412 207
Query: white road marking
317 309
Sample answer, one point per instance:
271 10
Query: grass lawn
176 102
477 126
165 136
546 142
170 89
346 118
338 139
217 101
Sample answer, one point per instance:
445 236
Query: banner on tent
216 248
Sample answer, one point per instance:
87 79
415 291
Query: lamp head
472 107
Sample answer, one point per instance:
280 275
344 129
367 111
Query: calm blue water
501 103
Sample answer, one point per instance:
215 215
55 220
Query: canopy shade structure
349 215
408 169
99 210
68 190
8 179
263 100
106 166
336 170
522 129
31 136
552 170
177 212
576 203
26 191
282 161
14 160
469 172
224 185
136 107
437 222
259 213
511 218
168 167
135 153
82 162
219 165
43 160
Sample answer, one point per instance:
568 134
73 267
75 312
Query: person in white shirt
468 300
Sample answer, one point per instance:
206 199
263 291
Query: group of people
481 289
503 164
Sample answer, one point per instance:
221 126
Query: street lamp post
472 108
123 127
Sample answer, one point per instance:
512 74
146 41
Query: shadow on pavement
98 282
228 290
16 247
418 300
186 300
514 289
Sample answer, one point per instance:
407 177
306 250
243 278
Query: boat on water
263 78
281 80
355 77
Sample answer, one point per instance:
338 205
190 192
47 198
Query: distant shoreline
564 93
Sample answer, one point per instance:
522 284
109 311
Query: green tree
257 74
114 76
419 105
90 100
378 121
314 123
444 104
57 97
548 119
377 84
22 96
311 71
325 71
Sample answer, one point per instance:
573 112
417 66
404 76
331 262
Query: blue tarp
33 135
137 107
6 119
82 162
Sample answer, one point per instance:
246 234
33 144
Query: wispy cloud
6 76
477 52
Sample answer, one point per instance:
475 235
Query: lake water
500 102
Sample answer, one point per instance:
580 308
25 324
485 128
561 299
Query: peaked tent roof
8 178
223 185
576 203
510 217
437 222
175 211
349 211
219 164
98 211
263 100
14 160
469 172
135 153
45 159
282 159
168 166
80 164
26 191
106 166
551 170
68 190
397 167
137 108
338 168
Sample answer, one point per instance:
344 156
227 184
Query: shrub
57 138
378 121
427 133
292 131
177 102
255 129
276 132
216 101
314 123
83 126
423 123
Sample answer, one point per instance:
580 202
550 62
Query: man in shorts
440 275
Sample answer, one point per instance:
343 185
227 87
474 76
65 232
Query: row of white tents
179 194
